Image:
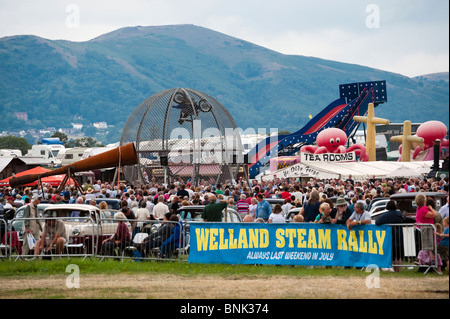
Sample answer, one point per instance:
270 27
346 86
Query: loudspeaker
164 160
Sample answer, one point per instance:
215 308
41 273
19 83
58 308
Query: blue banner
291 244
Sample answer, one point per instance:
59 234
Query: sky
410 37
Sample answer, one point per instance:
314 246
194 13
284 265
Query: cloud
412 36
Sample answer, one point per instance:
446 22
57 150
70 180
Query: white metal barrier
5 240
80 239
149 240
415 245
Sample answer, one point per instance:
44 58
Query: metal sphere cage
183 135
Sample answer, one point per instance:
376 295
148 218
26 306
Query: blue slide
337 114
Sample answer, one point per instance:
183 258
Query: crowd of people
313 197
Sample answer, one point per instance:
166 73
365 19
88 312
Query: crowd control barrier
411 246
5 241
80 239
415 245
149 240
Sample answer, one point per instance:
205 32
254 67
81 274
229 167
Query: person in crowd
131 217
276 216
341 212
174 240
359 217
157 238
252 208
185 215
425 216
242 205
311 209
213 211
174 204
53 234
442 248
105 213
324 216
298 196
391 217
298 219
287 206
263 208
443 211
182 192
161 208
142 215
231 203
31 226
120 239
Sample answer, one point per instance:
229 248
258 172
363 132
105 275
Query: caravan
48 152
72 155
10 153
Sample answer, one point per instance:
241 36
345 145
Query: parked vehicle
48 152
378 205
405 203
196 214
374 201
87 225
113 203
274 201
72 155
10 152
290 215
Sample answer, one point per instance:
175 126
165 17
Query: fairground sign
327 157
291 244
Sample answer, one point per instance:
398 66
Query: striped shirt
242 206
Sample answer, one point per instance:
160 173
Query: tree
62 137
83 142
14 142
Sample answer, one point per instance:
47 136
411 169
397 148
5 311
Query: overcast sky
410 37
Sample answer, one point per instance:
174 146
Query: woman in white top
141 215
252 207
276 216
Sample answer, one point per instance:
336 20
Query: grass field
44 279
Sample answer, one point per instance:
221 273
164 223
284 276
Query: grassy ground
181 280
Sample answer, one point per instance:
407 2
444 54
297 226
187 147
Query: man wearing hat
31 226
341 212
9 203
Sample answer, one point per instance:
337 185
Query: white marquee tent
358 170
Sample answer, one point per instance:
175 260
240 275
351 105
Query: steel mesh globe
182 135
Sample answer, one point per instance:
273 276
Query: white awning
358 170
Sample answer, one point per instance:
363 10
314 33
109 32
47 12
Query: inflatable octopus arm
360 150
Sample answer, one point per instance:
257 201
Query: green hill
105 79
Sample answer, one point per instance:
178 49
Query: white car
85 224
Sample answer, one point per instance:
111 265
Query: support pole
371 120
406 140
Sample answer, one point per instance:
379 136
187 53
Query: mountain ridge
58 82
